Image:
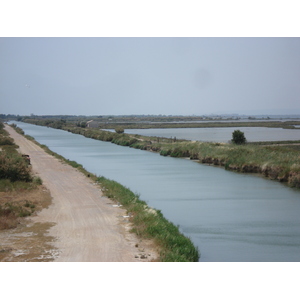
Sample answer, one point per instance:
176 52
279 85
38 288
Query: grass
279 162
276 162
6 185
72 163
150 223
11 211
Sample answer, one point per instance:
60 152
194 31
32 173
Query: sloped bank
281 163
150 223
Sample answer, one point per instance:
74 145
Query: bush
238 137
14 167
119 130
5 140
38 180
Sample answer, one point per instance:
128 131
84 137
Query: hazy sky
172 76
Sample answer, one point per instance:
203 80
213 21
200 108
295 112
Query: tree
81 124
119 130
238 137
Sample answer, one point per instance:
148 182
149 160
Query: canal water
228 216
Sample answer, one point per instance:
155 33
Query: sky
136 75
139 57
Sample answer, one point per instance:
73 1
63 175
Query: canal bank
229 216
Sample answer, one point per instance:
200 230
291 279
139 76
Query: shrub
13 167
238 137
119 130
5 140
10 212
38 180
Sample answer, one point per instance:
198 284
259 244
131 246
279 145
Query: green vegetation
119 130
12 165
15 176
281 163
210 124
17 209
9 214
275 161
156 121
17 129
5 140
238 137
150 223
72 163
152 121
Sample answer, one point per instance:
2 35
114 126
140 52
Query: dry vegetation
20 202
20 238
21 195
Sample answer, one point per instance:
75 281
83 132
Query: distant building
92 124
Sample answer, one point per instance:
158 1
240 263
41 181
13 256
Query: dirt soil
26 240
80 225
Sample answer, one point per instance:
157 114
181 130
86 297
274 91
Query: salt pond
221 134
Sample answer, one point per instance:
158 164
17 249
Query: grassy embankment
136 125
16 183
278 160
147 223
274 161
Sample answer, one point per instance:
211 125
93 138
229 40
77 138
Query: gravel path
87 225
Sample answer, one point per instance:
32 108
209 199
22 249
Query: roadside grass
20 203
151 224
72 163
6 185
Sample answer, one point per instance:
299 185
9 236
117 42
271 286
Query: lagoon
221 134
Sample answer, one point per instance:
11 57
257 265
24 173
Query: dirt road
88 227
